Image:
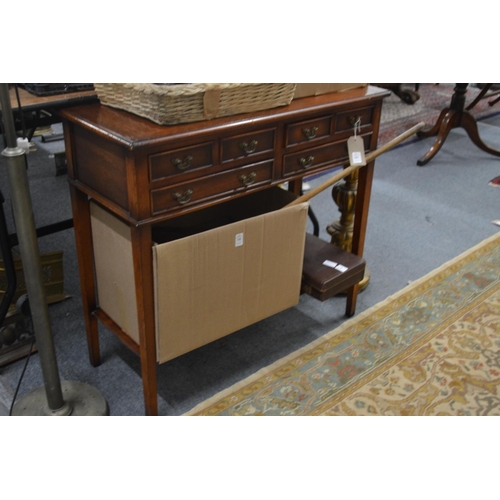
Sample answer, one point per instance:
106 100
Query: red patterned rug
397 116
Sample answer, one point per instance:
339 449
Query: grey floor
420 217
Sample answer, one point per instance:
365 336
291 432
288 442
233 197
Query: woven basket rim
181 88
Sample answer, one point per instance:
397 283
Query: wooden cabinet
144 174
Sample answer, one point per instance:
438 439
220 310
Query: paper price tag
356 148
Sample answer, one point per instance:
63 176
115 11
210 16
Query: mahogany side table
143 174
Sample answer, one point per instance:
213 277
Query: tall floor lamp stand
54 398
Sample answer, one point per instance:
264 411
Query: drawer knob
306 162
249 148
182 164
246 180
310 133
182 199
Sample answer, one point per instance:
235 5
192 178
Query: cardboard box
310 89
216 271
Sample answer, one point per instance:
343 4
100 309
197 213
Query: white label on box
330 263
341 268
238 240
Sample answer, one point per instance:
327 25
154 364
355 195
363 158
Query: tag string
357 126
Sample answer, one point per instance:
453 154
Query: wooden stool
320 279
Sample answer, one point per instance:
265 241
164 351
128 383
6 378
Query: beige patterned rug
431 349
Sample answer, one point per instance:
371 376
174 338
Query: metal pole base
81 400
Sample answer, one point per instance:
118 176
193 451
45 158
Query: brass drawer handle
310 133
246 180
306 162
182 199
182 164
249 148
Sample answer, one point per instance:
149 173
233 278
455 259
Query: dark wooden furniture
454 116
404 93
41 111
486 94
144 173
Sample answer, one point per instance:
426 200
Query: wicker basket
190 102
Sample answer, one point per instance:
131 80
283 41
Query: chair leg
314 221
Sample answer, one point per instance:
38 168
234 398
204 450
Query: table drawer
193 192
345 121
309 130
247 146
314 158
180 161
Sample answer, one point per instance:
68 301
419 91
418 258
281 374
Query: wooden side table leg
365 182
432 131
447 123
469 123
352 296
83 239
479 97
143 272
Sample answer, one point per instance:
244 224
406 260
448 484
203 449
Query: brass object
306 162
249 148
182 199
247 179
310 133
341 231
344 195
182 164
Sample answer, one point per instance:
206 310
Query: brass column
341 230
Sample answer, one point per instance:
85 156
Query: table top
134 131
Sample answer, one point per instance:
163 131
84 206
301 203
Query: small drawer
191 193
247 145
346 121
322 156
180 161
308 131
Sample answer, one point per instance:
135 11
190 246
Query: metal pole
30 256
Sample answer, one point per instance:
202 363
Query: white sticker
341 268
356 158
330 263
238 240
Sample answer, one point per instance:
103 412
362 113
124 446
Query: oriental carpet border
432 348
